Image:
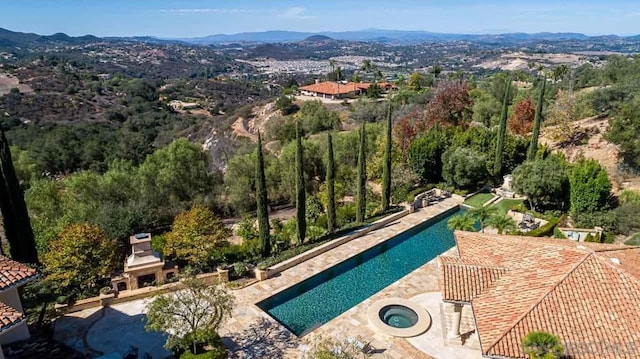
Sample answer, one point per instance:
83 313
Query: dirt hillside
590 143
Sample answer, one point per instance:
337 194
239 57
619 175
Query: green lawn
504 205
477 200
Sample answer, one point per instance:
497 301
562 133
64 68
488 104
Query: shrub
628 196
286 105
545 230
634 241
557 233
425 155
464 167
346 214
597 238
240 269
590 187
215 353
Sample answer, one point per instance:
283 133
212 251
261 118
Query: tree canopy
543 181
195 235
78 258
191 315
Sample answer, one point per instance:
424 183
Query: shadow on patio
262 339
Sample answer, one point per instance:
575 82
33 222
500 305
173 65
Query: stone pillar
134 281
223 275
454 330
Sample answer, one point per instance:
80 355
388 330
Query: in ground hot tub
399 317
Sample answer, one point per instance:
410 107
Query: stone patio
251 333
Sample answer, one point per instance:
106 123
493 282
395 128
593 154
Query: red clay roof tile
573 290
12 272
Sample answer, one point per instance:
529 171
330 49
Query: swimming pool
324 296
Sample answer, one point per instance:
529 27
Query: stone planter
106 299
223 275
409 207
261 274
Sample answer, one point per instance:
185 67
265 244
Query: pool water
324 296
398 316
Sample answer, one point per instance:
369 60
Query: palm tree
370 68
501 222
462 222
542 345
482 214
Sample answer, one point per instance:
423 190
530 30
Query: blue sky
191 18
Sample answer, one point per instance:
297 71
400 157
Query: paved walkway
251 333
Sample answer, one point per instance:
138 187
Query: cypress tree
261 202
331 179
361 195
386 167
497 165
533 146
301 198
17 226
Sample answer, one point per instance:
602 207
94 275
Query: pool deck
252 333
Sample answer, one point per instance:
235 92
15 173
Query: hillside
593 146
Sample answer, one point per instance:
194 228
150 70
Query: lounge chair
365 348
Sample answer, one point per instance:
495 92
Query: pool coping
422 325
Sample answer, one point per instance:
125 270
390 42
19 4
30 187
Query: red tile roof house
13 324
335 90
587 294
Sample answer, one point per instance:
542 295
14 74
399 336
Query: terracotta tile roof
333 88
570 289
463 281
14 273
9 316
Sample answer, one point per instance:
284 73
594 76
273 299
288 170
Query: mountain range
20 39
379 35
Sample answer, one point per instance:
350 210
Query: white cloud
205 10
296 13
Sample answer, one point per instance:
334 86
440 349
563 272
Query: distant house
587 294
180 105
336 90
13 322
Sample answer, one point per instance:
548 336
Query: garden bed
314 250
